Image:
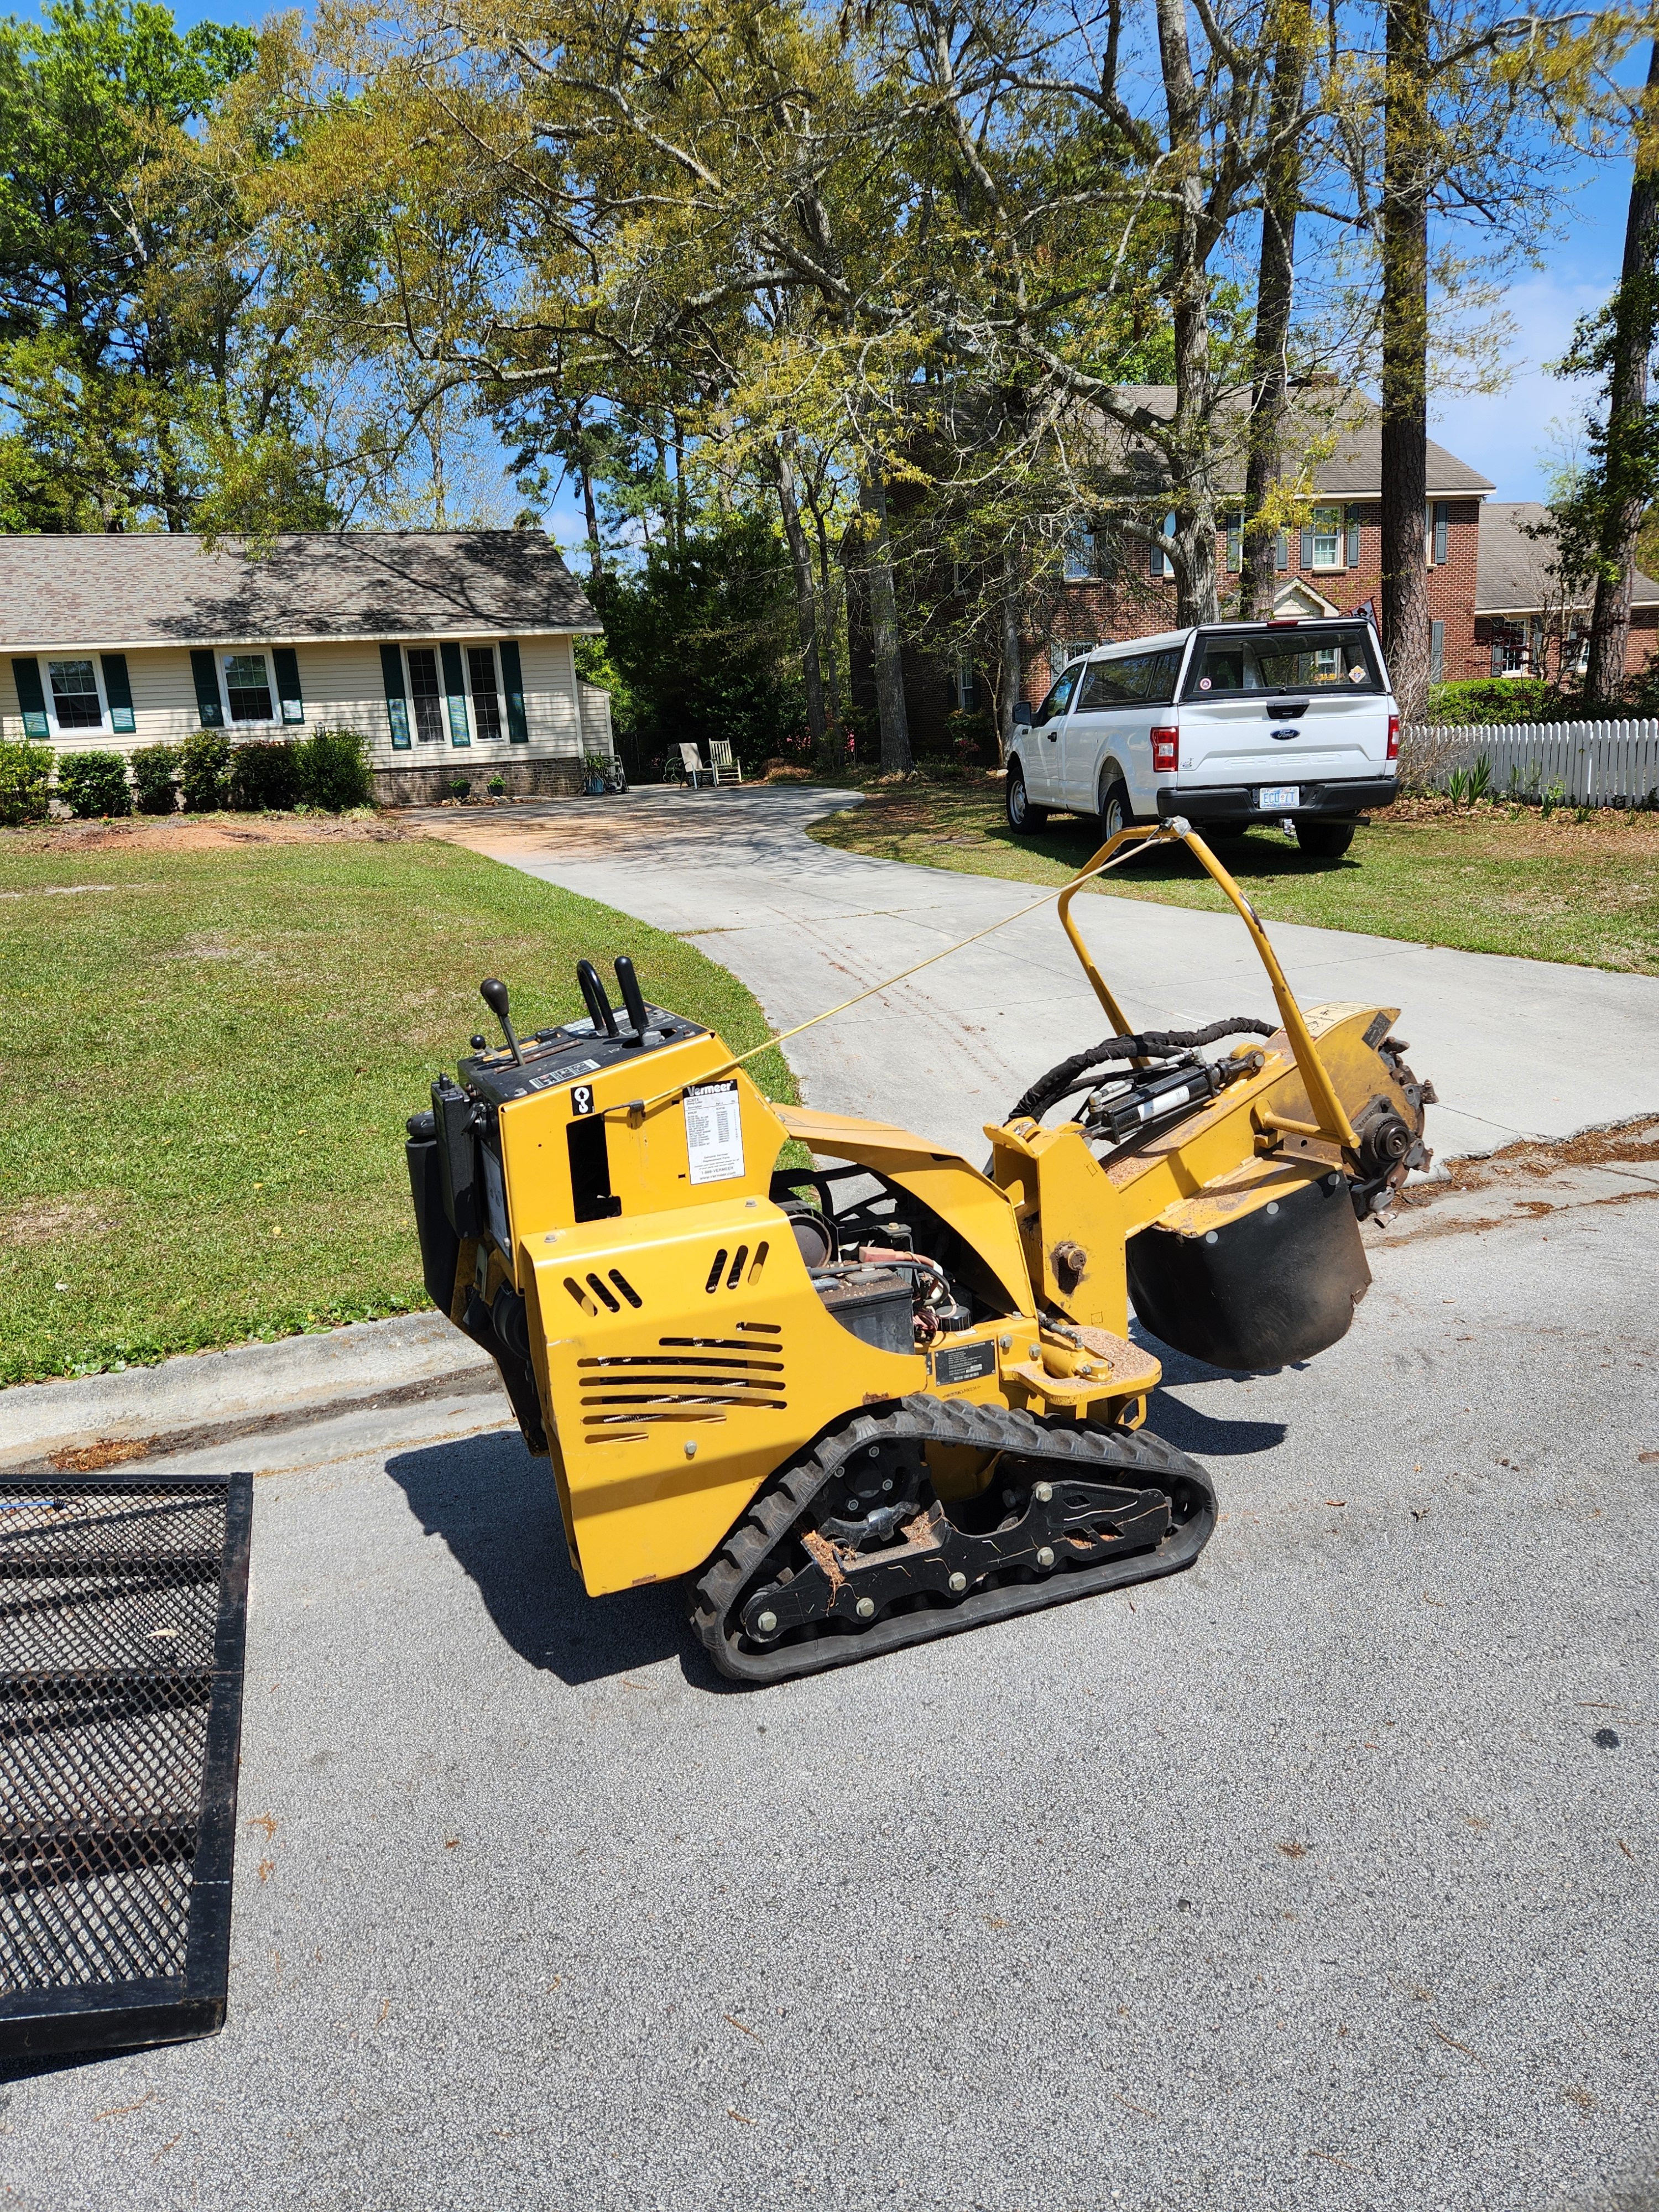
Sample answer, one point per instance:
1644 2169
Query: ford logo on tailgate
1284 733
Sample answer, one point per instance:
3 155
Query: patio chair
727 769
691 760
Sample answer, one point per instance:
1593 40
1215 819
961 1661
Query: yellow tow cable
1162 833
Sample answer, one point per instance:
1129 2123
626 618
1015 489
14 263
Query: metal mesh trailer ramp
123 1620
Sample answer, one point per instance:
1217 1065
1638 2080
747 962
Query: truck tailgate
1233 742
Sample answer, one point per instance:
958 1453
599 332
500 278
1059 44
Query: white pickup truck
1226 724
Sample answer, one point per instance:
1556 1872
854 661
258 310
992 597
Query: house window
1235 543
964 689
1511 648
486 697
1159 563
248 687
1326 536
425 694
1059 655
1079 556
74 699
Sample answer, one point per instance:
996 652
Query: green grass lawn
1494 879
208 1056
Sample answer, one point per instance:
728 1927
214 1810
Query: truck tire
1022 815
1115 812
1324 840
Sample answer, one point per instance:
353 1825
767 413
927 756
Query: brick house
1524 623
451 652
1491 604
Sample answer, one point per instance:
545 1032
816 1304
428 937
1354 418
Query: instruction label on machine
714 1133
963 1362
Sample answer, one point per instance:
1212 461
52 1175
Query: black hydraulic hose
1150 1044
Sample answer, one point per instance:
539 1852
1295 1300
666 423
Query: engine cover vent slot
681 1379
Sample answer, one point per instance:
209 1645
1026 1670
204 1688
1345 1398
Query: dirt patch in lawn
1529 834
43 1221
206 833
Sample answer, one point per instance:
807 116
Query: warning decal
714 1133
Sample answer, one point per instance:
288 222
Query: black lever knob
628 983
604 1022
494 994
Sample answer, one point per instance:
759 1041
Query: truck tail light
1166 753
1393 737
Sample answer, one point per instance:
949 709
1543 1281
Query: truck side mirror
1022 714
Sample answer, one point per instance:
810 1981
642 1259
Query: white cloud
1513 435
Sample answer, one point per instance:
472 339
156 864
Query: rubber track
1066 1447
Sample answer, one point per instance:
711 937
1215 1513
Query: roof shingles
169 590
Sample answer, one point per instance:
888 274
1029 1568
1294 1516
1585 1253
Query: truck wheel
1116 813
1324 840
1022 815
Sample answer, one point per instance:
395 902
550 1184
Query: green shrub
1467 786
1495 699
25 782
497 787
154 778
204 770
331 771
265 777
94 783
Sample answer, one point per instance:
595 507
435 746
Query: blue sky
1510 437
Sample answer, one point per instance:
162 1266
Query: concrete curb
296 1379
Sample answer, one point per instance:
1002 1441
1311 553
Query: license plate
1274 797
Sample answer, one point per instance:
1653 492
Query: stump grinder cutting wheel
892 1395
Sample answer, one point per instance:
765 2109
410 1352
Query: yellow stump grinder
893 1395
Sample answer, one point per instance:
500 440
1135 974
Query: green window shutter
396 706
460 732
31 698
518 728
1235 543
209 708
1282 551
1353 537
287 683
118 692
1307 546
1437 652
1440 519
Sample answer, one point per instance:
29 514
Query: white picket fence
1588 763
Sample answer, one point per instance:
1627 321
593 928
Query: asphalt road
1302 1880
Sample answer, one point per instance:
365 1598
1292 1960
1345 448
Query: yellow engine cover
683 1357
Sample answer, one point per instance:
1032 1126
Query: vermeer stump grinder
892 1395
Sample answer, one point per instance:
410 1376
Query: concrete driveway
1322 1876
1513 1046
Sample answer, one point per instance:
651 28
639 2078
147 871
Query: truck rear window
1283 661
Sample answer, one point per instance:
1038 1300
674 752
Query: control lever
494 995
628 983
604 1022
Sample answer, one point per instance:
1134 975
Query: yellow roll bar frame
1331 1123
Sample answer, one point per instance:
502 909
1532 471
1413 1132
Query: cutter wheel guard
890 1395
